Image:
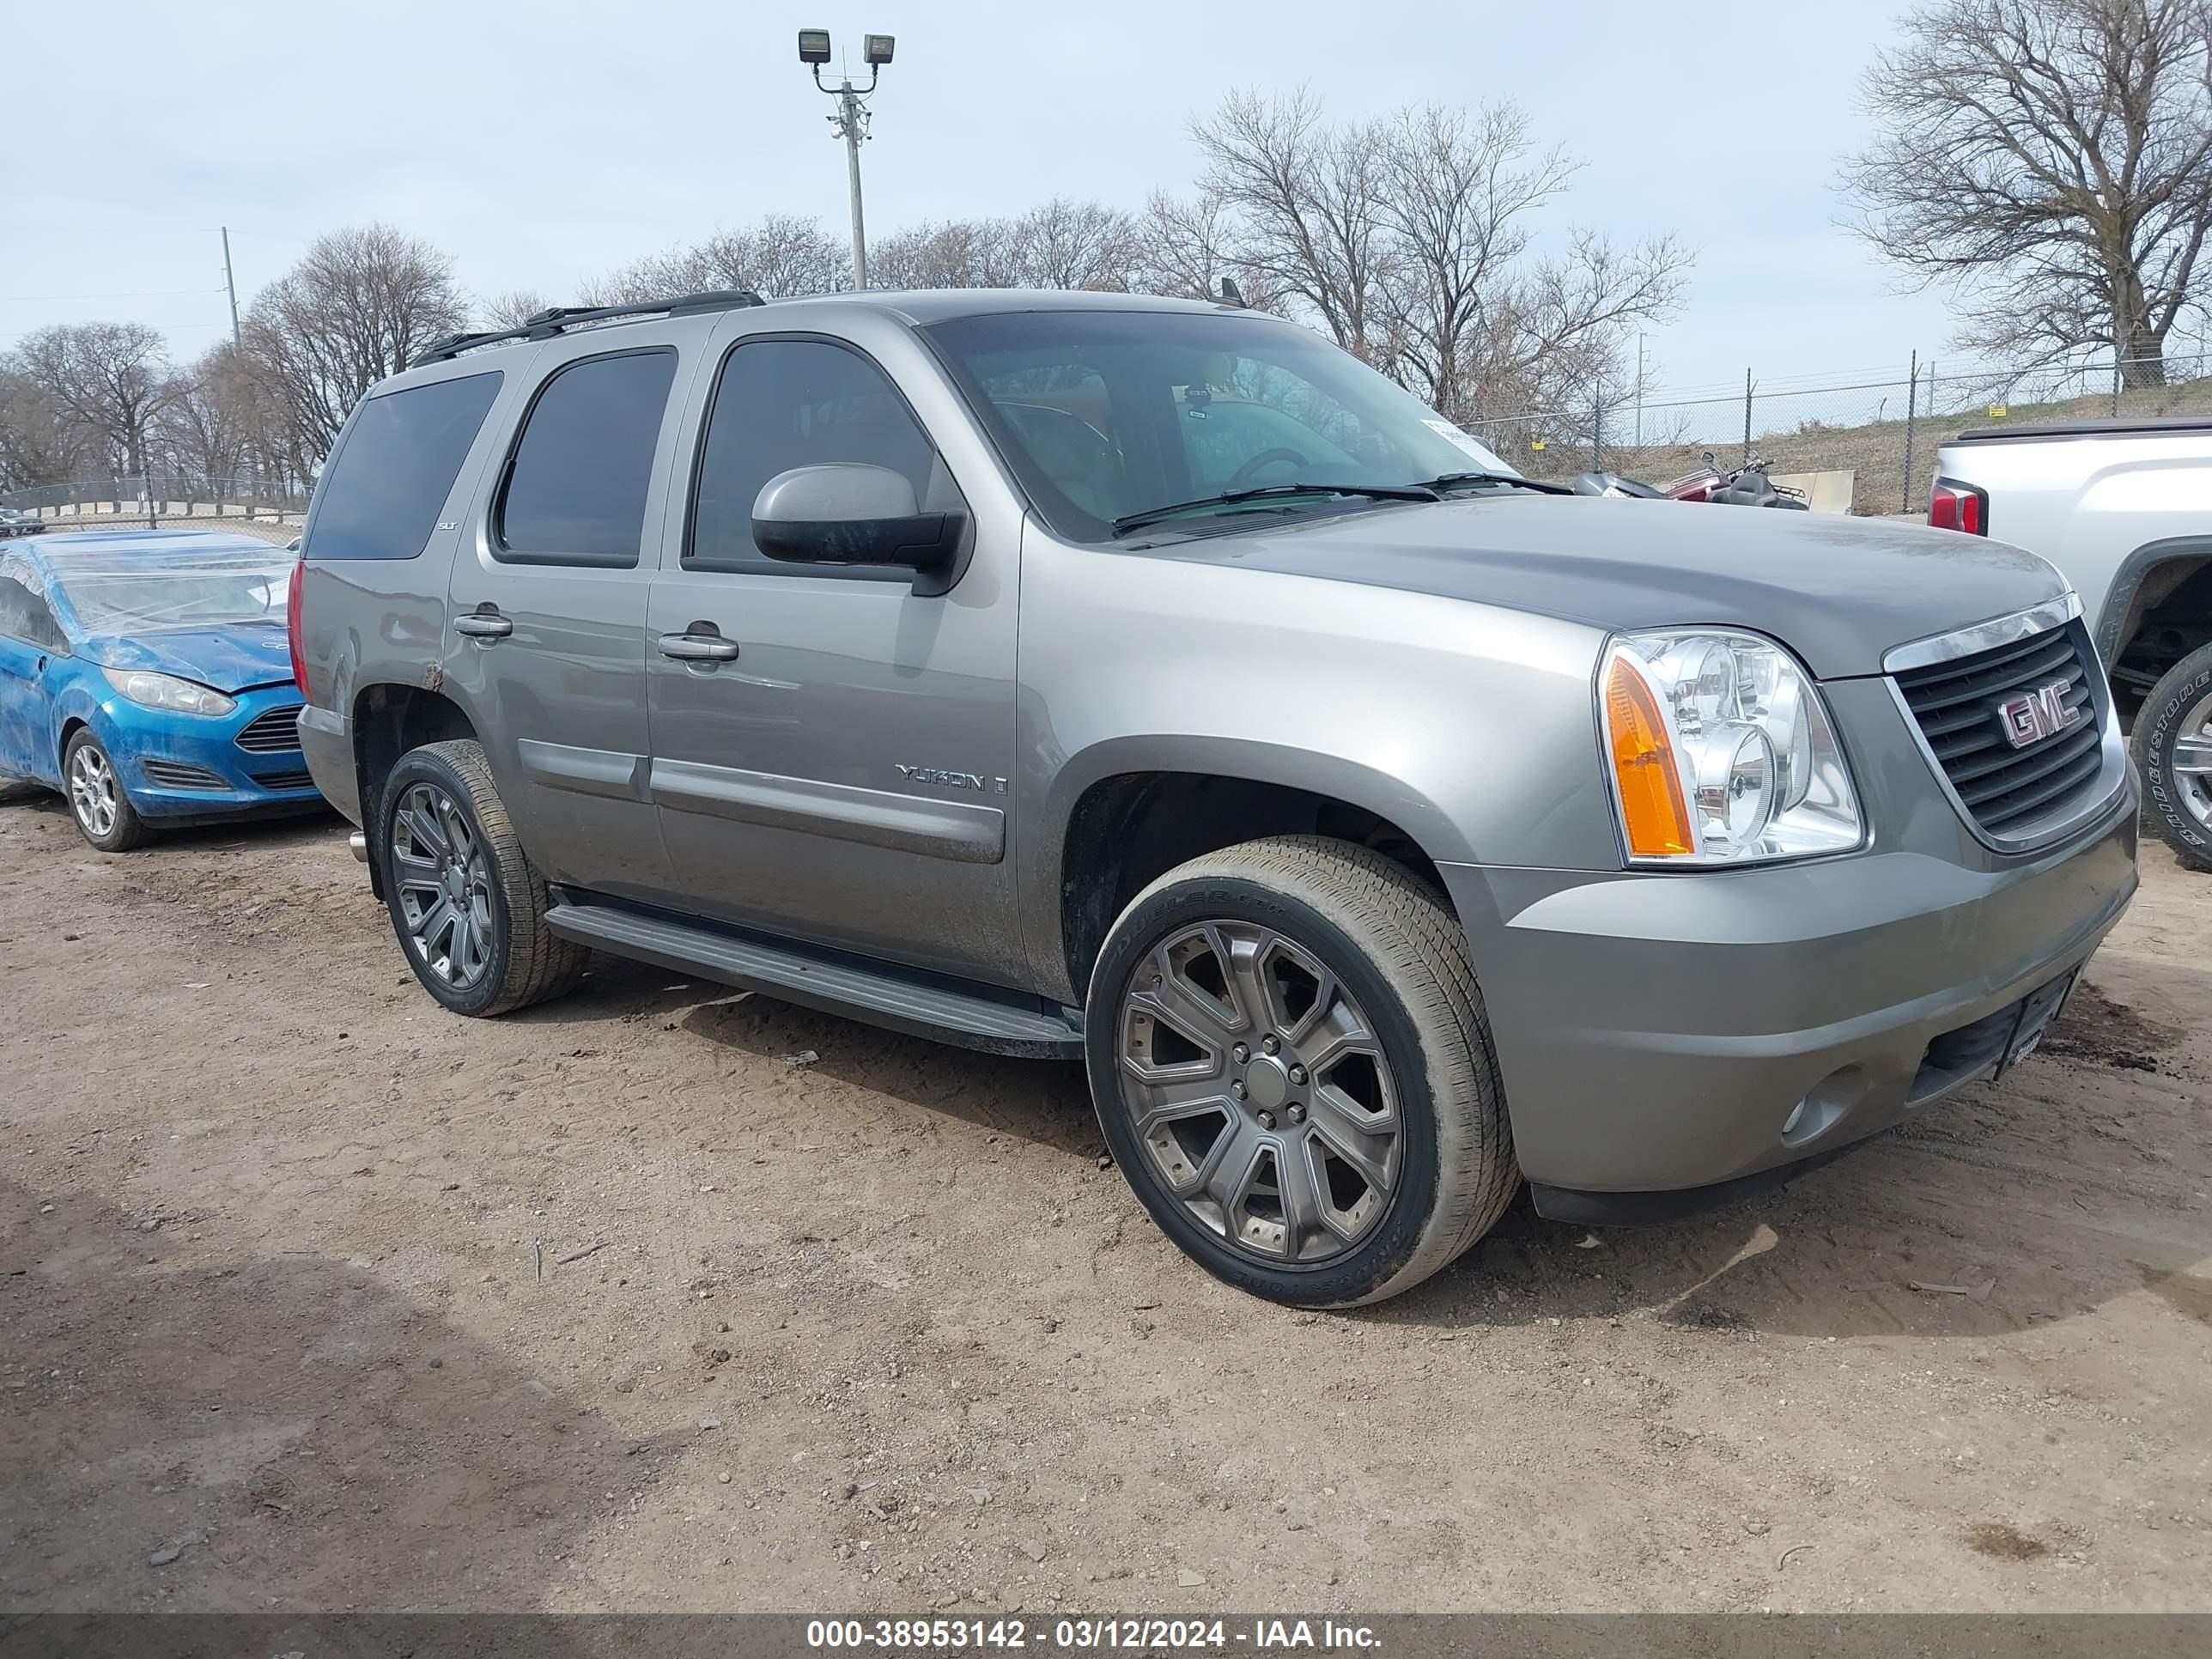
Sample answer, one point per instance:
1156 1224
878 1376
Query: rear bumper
326 744
1656 1033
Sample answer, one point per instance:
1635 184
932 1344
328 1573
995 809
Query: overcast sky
541 143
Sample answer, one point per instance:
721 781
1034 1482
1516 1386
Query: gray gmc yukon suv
1149 682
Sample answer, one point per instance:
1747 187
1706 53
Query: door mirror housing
846 513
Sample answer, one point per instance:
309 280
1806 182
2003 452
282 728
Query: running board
940 1009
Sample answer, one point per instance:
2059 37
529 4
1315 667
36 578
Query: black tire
125 829
2160 725
524 961
1401 954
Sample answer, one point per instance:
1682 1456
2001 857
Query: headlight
1722 752
167 691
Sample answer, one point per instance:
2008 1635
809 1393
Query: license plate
2037 1012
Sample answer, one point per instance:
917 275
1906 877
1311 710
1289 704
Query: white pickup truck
2124 508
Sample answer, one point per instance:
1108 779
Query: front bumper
183 765
1656 1032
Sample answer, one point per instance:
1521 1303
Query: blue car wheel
96 798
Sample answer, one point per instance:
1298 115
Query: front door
546 638
830 749
29 640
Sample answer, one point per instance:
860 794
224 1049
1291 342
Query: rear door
30 639
842 774
546 623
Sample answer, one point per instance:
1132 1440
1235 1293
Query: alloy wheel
443 877
1260 1091
92 790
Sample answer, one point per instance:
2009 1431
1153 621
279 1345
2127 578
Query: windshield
124 594
1105 415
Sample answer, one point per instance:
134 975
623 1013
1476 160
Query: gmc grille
1959 705
273 732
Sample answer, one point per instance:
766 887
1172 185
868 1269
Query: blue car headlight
167 691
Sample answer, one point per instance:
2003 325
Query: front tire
1292 1068
2174 751
466 904
104 814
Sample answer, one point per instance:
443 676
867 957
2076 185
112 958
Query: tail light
1955 506
292 626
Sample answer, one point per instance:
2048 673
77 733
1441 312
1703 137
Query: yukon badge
2034 715
952 780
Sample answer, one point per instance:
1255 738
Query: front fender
1469 726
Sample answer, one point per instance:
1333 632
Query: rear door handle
483 625
696 647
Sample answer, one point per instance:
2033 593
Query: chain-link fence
242 502
1883 429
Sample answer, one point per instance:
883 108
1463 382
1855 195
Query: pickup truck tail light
1955 506
292 625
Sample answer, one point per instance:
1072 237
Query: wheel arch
387 719
2148 581
1128 810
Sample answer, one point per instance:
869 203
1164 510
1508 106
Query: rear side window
381 493
576 488
784 404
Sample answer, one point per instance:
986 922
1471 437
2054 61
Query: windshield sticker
1473 445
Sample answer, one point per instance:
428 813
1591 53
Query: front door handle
484 624
698 647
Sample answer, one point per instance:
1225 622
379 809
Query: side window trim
686 560
495 522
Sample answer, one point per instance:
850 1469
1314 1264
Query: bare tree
1304 193
113 378
2052 158
206 430
1186 244
1076 245
511 309
40 441
947 254
781 255
360 305
1412 241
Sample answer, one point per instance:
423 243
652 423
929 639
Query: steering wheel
1243 476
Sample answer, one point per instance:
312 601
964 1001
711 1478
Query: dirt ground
666 1298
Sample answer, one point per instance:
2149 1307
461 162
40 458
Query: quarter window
394 465
576 488
783 403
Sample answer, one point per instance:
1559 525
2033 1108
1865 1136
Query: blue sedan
147 675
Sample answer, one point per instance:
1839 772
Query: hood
1838 592
228 658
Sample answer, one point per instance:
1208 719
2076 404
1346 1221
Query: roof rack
559 319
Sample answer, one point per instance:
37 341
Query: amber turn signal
1652 807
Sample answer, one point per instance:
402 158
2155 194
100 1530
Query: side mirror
843 513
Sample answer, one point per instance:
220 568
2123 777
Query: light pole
850 123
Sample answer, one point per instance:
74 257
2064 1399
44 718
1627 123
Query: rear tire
104 814
1292 1064
2173 733
466 904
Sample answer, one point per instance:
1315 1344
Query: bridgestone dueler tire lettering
2158 725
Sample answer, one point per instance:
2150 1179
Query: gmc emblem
2034 715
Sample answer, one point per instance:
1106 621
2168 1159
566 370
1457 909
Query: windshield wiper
1453 480
1129 521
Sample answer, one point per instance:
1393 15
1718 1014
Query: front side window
25 617
576 488
1105 414
393 467
785 404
